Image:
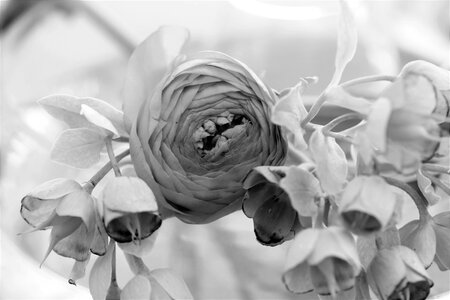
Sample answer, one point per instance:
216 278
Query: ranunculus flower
397 273
199 124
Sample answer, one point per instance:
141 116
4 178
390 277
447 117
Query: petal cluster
202 128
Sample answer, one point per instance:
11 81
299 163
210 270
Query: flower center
212 140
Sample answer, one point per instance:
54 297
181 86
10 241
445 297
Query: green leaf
68 109
172 283
98 119
138 288
346 42
100 276
79 148
330 160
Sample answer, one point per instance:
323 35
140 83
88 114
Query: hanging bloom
404 124
129 212
278 199
430 239
397 273
66 207
200 124
323 260
367 204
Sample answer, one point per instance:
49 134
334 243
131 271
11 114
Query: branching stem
367 79
417 198
106 168
112 158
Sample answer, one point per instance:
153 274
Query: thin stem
417 198
367 79
137 265
315 108
322 98
113 290
121 139
106 168
437 182
112 158
436 168
335 122
121 39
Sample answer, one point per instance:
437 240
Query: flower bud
275 220
324 260
367 204
397 273
129 210
66 207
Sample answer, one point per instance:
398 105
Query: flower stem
137 265
417 198
367 79
106 168
335 122
113 290
322 97
112 158
315 108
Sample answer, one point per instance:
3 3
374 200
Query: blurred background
82 47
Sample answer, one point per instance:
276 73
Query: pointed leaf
100 276
172 283
331 162
79 148
68 109
99 120
138 288
346 42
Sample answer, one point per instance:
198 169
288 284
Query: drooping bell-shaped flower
66 207
129 212
323 260
397 273
275 220
367 204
